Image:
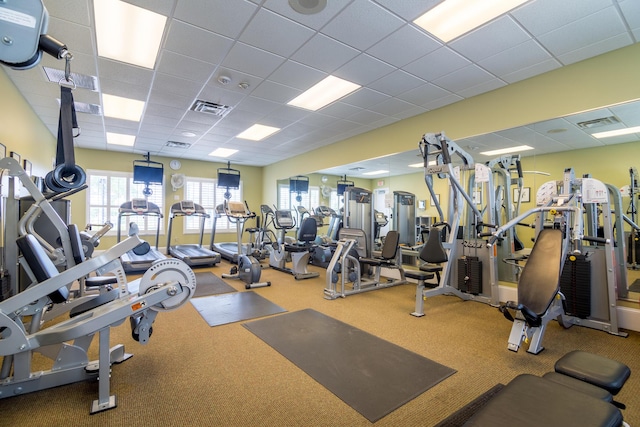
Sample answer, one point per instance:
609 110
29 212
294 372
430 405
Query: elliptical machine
248 269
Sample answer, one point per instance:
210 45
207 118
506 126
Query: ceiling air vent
79 80
208 107
177 144
596 123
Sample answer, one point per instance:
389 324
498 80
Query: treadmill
194 255
131 262
227 250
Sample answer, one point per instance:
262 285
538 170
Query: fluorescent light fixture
128 33
257 132
378 172
421 164
120 139
222 152
122 108
506 150
618 132
323 93
452 18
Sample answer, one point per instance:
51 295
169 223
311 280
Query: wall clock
175 164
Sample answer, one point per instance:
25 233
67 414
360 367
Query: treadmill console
283 219
188 207
139 206
235 209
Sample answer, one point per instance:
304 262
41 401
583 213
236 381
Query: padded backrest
76 243
539 280
433 252
308 230
390 246
40 264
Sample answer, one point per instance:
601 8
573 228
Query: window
205 192
287 200
108 190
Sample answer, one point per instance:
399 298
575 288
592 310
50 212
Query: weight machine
475 277
165 286
586 281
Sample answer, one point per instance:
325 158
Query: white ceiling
280 53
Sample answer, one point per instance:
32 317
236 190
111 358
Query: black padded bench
599 371
533 401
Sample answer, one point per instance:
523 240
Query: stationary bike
248 269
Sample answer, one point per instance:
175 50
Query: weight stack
470 275
575 284
633 247
5 287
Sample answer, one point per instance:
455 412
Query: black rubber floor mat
234 307
371 375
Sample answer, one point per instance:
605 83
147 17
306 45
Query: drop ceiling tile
362 24
76 37
296 75
631 11
597 48
275 33
236 77
464 78
324 53
577 34
437 64
534 70
260 63
408 9
404 46
424 93
125 73
197 43
164 111
175 85
365 117
364 98
363 69
218 95
293 114
76 11
125 90
483 87
170 99
253 104
162 7
185 67
207 14
410 113
537 20
392 107
275 92
490 39
441 102
516 58
396 83
340 110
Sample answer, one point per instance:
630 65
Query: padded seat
581 386
420 276
594 369
389 251
532 401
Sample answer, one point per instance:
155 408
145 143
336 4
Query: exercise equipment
579 392
195 255
165 286
298 251
403 219
131 261
444 159
570 274
248 269
358 214
348 272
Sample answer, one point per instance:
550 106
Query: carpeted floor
208 283
192 374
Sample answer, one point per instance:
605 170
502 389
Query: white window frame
146 224
223 225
